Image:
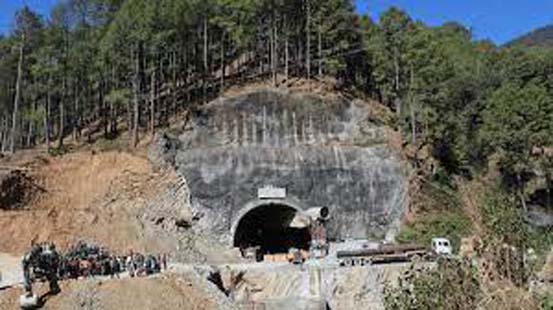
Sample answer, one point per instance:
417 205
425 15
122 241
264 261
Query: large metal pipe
318 213
383 250
305 218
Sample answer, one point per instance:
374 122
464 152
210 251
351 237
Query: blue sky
498 20
8 8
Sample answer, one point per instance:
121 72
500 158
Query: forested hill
540 37
467 110
108 66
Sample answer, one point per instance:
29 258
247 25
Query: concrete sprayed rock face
320 151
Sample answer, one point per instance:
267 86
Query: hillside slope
541 37
86 195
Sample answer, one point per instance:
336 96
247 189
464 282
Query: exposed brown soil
94 196
16 189
99 197
162 292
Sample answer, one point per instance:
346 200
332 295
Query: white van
441 246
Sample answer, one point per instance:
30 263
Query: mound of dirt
162 292
86 195
117 200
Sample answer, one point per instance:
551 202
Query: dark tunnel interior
267 226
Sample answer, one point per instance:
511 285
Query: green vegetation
480 110
451 224
506 224
453 284
134 64
504 221
547 302
140 62
539 37
440 214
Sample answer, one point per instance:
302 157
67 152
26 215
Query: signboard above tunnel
271 192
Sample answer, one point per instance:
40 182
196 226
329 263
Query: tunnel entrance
268 226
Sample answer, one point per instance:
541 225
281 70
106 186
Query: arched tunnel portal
268 226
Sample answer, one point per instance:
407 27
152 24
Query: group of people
44 262
143 265
85 260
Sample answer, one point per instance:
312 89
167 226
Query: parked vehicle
441 246
386 253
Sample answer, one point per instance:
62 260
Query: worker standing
113 267
164 261
130 264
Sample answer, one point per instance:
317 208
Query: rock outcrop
322 151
